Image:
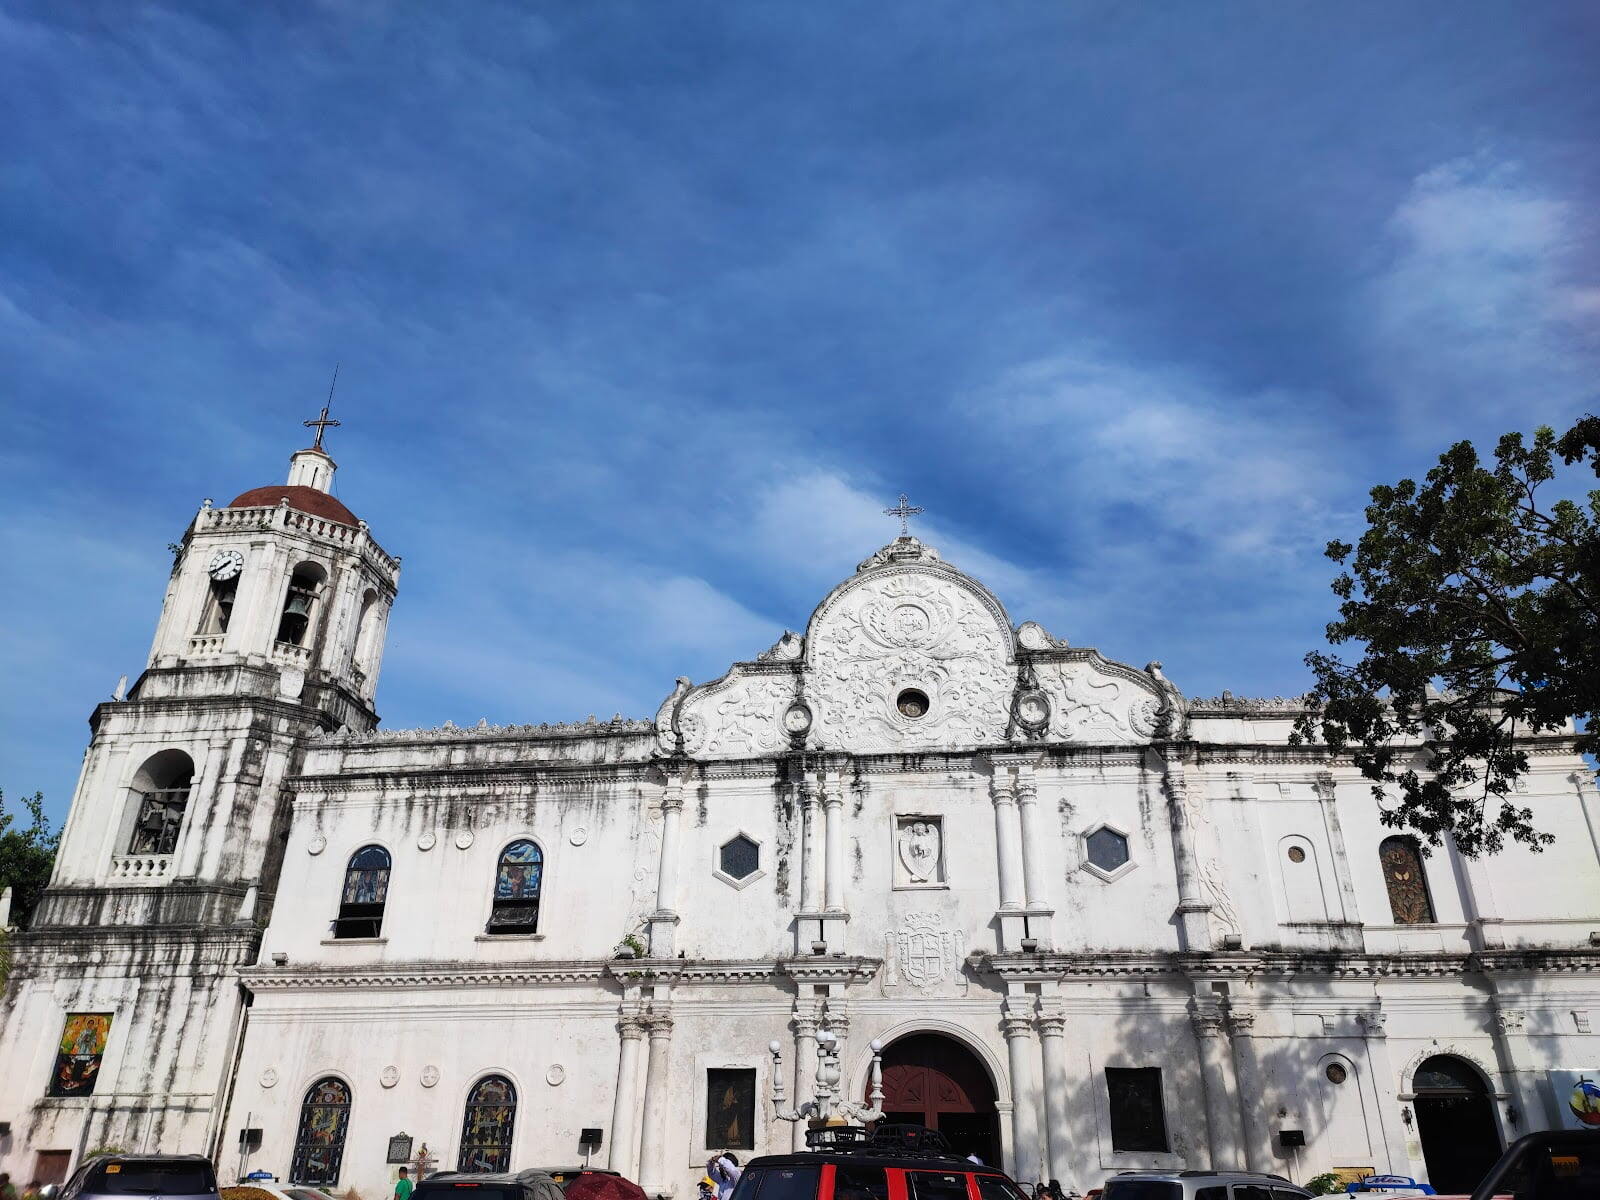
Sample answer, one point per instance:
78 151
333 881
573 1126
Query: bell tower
271 633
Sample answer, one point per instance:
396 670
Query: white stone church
1096 924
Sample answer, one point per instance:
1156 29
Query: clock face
797 719
225 564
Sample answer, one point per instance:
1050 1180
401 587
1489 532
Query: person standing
403 1185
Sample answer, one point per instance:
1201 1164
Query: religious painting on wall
731 1108
516 889
486 1130
1138 1116
83 1044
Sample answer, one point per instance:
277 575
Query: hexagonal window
739 858
1107 849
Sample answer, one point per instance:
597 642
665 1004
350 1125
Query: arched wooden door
932 1080
1455 1120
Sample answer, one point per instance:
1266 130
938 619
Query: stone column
1025 1163
664 921
1516 1066
833 814
625 1104
1057 1118
653 1174
1223 1133
805 1067
1006 837
1385 1088
1033 885
810 874
1252 1089
1193 910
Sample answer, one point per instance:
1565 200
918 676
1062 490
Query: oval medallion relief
430 1076
317 844
556 1075
463 839
427 841
269 1078
389 1076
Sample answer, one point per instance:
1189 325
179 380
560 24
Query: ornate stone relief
738 716
430 1076
785 649
908 628
923 955
1089 704
919 852
269 1078
389 1076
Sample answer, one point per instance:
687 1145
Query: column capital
1372 1023
806 1024
1509 1020
1241 1021
659 1024
1052 1022
631 1026
1002 790
672 800
1027 792
1015 1027
1207 1019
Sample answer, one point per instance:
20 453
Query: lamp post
827 1107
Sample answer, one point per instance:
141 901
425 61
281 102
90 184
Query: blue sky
645 310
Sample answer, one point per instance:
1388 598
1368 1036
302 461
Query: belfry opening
933 1080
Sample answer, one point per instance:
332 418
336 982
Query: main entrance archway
1455 1121
933 1080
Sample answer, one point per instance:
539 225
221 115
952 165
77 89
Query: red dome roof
306 499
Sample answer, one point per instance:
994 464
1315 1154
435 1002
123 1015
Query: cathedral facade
1093 924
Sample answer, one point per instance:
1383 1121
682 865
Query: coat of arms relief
924 956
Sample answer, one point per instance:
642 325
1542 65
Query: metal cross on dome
322 424
905 510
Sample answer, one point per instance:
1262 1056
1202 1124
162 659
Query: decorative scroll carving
923 954
739 716
785 649
1088 704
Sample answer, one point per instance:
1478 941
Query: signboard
1577 1097
399 1149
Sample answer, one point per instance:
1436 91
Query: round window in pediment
912 703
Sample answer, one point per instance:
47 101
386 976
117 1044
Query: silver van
1200 1185
170 1176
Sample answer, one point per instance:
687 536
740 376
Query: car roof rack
886 1140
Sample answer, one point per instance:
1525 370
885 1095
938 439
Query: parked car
264 1190
510 1185
1200 1185
895 1163
1555 1164
593 1183
171 1176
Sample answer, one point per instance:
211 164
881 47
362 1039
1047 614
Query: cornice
425 975
819 968
1285 965
451 733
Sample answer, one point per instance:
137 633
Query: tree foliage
1477 608
27 854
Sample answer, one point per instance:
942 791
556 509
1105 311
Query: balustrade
140 868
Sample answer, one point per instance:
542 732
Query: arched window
219 605
1408 886
295 626
516 889
319 1146
162 786
486 1130
366 636
366 889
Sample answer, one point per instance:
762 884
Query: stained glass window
486 1131
366 889
1407 884
319 1146
739 858
516 889
83 1044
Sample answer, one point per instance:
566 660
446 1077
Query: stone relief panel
742 716
924 957
900 632
918 852
1088 704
